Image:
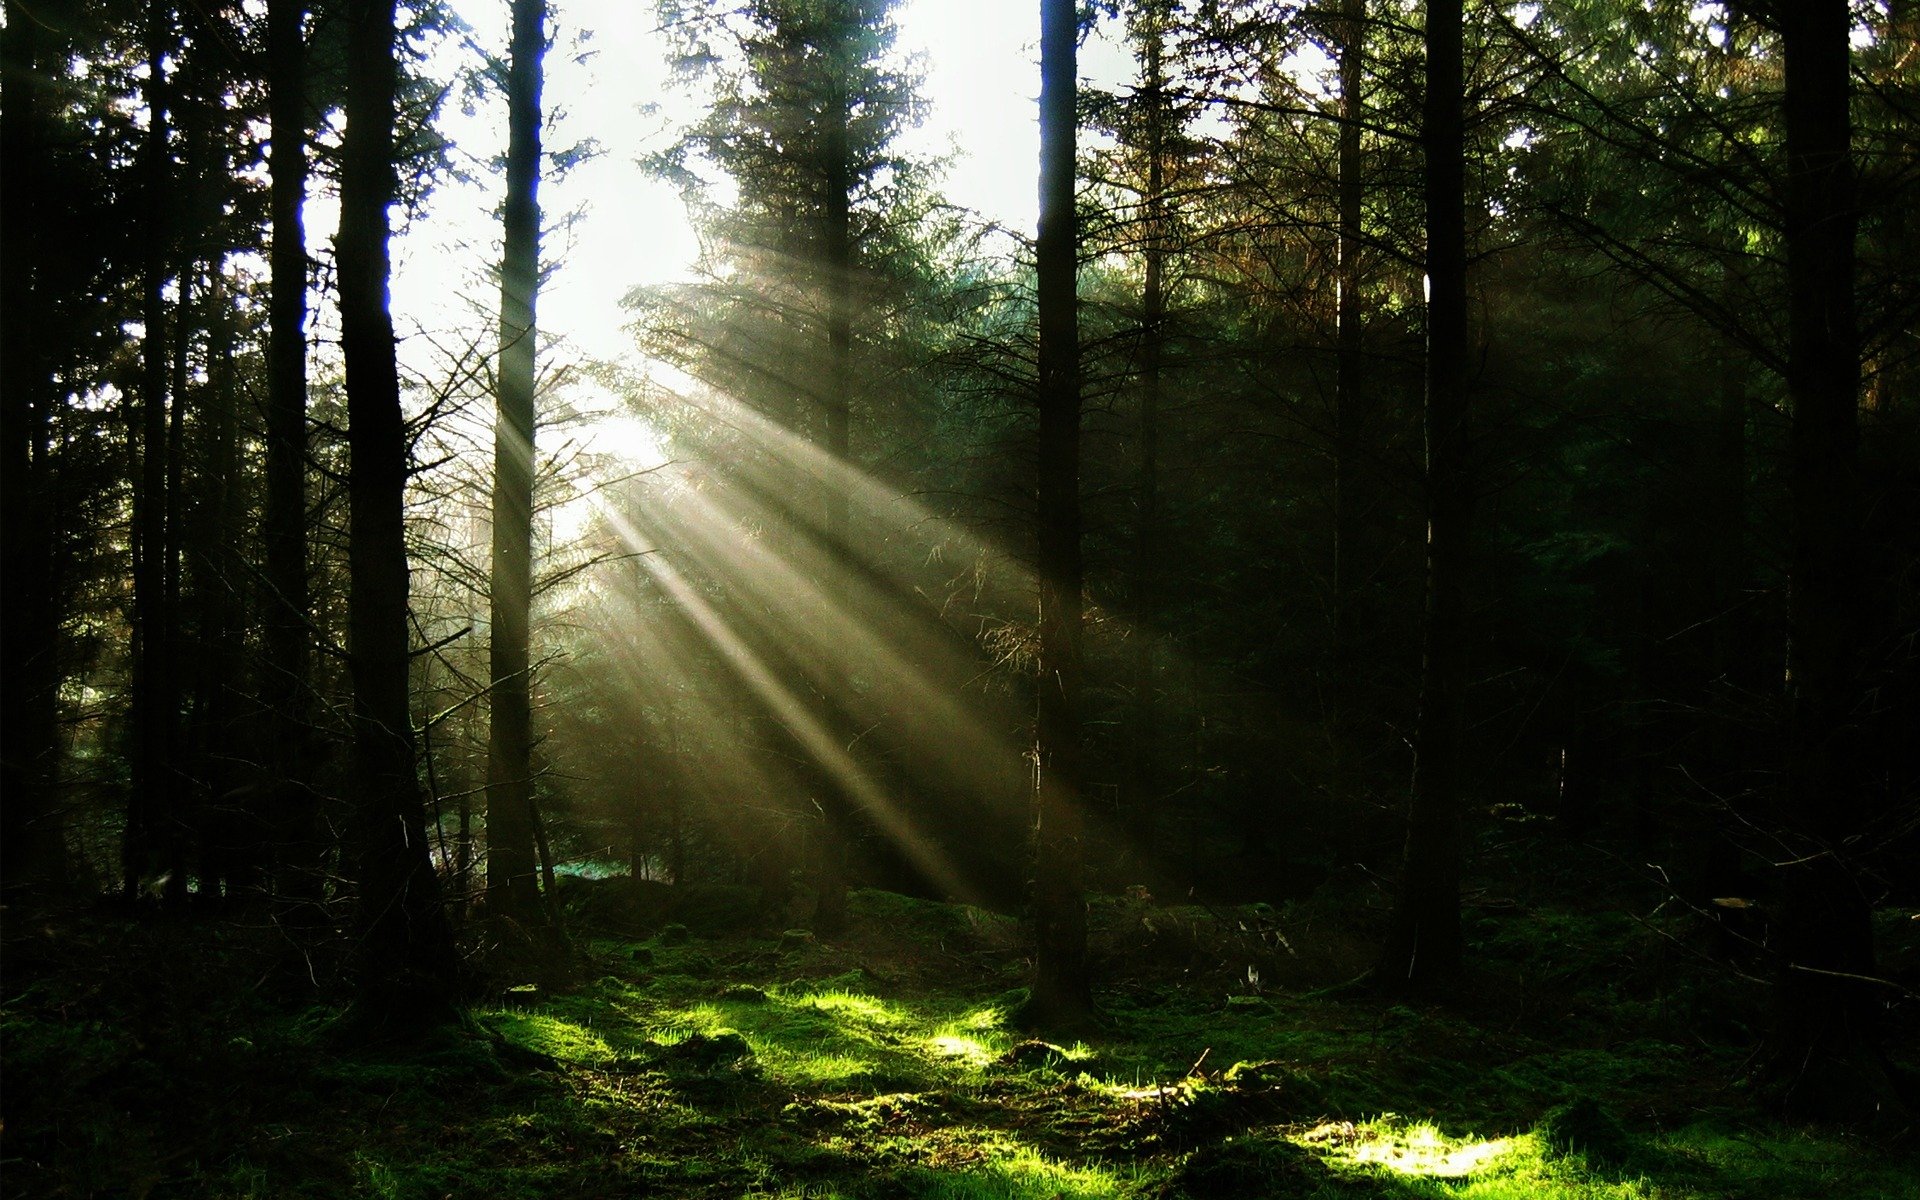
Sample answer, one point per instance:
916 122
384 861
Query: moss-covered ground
1590 1057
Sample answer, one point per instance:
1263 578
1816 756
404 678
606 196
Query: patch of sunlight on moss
990 1019
552 1036
1019 1173
810 1069
969 1050
676 1025
853 1007
1432 1166
1416 1149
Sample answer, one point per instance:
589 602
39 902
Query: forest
1366 647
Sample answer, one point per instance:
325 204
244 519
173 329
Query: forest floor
1593 1054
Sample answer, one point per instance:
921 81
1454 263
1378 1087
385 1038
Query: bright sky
981 77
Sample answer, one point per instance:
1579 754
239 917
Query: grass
883 1065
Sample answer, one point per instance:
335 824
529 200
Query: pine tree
1424 943
512 888
1062 997
406 969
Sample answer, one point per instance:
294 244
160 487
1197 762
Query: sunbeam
794 714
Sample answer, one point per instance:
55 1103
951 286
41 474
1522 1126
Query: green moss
552 1036
1013 1172
1247 1166
709 1078
1583 1127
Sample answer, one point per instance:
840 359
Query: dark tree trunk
830 909
231 847
1424 941
33 851
406 961
1826 1035
292 809
154 839
185 813
1062 996
513 889
1728 751
1348 418
1143 766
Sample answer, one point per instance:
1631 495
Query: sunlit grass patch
673 1025
850 1008
1421 1149
823 1038
1014 1172
988 1018
825 1069
949 1043
552 1036
1418 1161
972 1041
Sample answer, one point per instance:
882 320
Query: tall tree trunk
33 851
830 909
153 837
230 846
1143 746
1424 941
406 960
1062 996
1348 418
512 886
1826 1035
292 809
1717 861
185 812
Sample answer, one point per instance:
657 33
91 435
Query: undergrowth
884 1064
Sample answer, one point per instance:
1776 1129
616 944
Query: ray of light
839 632
792 712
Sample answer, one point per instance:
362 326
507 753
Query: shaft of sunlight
792 712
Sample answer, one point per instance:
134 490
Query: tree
1156 163
155 843
512 888
1349 413
34 839
292 803
804 120
1424 942
1826 1038
406 973
1062 996
1768 225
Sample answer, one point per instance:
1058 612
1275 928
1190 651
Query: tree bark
1062 996
1826 1034
1348 419
185 819
1424 941
1143 791
836 265
33 851
153 838
292 807
231 849
512 887
406 961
